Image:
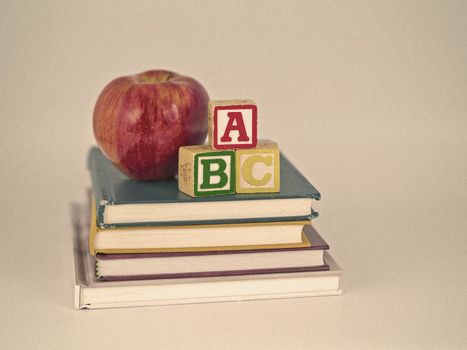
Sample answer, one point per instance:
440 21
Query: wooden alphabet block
258 169
232 124
203 171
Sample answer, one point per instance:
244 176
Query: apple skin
141 120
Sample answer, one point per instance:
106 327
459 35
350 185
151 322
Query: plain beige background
367 98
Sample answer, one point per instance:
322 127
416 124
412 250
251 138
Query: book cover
257 260
166 205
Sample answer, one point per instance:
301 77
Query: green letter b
209 173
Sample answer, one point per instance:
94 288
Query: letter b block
232 124
258 170
204 172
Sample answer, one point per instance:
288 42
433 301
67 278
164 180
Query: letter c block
258 169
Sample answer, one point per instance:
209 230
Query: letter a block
232 124
258 170
203 171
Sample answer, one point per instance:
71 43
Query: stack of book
152 244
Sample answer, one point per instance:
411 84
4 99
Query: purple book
164 265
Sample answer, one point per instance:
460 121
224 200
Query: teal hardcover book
121 201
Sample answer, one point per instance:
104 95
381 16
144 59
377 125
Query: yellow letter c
247 170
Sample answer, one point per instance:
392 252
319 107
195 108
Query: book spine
102 194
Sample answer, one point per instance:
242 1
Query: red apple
141 120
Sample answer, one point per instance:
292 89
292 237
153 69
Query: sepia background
367 98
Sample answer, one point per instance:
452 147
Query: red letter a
235 123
